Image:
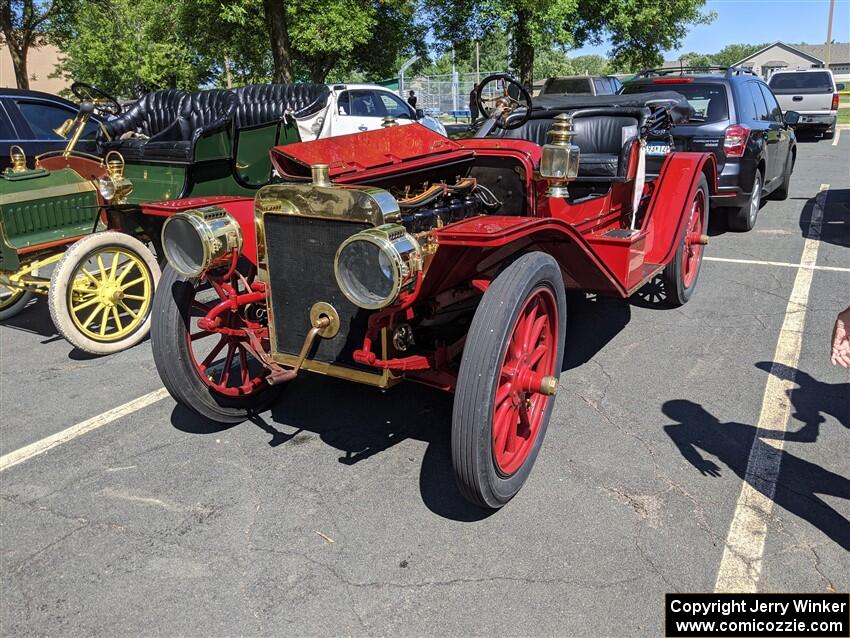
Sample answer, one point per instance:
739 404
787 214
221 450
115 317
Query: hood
360 156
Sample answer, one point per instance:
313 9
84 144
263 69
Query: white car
352 108
812 93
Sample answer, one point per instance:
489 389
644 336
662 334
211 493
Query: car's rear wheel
211 373
681 274
13 300
744 218
511 362
781 193
101 292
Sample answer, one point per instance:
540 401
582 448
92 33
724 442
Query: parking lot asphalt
336 512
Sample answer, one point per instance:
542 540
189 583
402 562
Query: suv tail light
735 140
834 106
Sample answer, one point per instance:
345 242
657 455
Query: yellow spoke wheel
12 300
102 291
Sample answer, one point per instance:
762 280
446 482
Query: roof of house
839 54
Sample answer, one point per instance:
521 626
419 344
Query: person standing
473 106
411 99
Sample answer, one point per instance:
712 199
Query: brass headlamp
560 158
202 239
18 159
113 186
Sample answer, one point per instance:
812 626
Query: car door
358 110
36 119
779 138
761 130
8 136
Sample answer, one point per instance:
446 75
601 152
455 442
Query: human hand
841 339
708 468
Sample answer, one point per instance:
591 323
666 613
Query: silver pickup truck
812 93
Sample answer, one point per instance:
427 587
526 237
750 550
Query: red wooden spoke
692 252
531 350
246 381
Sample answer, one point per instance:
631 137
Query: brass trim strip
382 380
59 190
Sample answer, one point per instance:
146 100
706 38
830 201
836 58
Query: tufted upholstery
173 120
151 115
600 139
206 110
264 103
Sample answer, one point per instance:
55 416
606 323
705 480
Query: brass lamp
18 159
114 186
560 158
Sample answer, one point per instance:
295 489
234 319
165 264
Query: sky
756 21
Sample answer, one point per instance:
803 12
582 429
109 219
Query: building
799 56
41 63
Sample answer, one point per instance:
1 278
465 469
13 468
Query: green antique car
77 216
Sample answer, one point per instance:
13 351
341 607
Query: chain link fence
444 94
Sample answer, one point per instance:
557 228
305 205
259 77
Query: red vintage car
399 254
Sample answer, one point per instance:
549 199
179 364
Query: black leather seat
260 104
604 152
173 121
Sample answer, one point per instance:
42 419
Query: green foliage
638 29
727 56
122 45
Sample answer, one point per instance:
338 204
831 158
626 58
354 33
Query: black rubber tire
57 295
672 275
743 218
18 301
829 134
472 420
781 193
171 308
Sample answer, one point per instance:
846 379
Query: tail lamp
199 240
560 157
834 106
735 140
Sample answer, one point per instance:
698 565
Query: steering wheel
102 101
503 105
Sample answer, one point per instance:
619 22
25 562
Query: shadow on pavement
835 227
592 322
35 319
360 422
800 483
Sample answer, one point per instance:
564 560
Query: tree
124 45
733 53
25 24
638 29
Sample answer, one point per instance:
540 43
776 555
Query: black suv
736 117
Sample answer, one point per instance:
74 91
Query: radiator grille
300 253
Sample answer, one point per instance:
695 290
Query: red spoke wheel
508 373
681 274
212 373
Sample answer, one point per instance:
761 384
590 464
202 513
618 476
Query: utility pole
829 34
454 81
477 66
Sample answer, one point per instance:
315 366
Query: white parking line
47 443
777 263
740 567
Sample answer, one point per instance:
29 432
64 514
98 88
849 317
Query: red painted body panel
241 208
361 156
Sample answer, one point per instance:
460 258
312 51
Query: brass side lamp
18 159
114 186
560 158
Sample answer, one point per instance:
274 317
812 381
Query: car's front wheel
213 373
510 366
13 300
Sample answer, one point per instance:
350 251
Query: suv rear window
567 85
805 82
707 100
